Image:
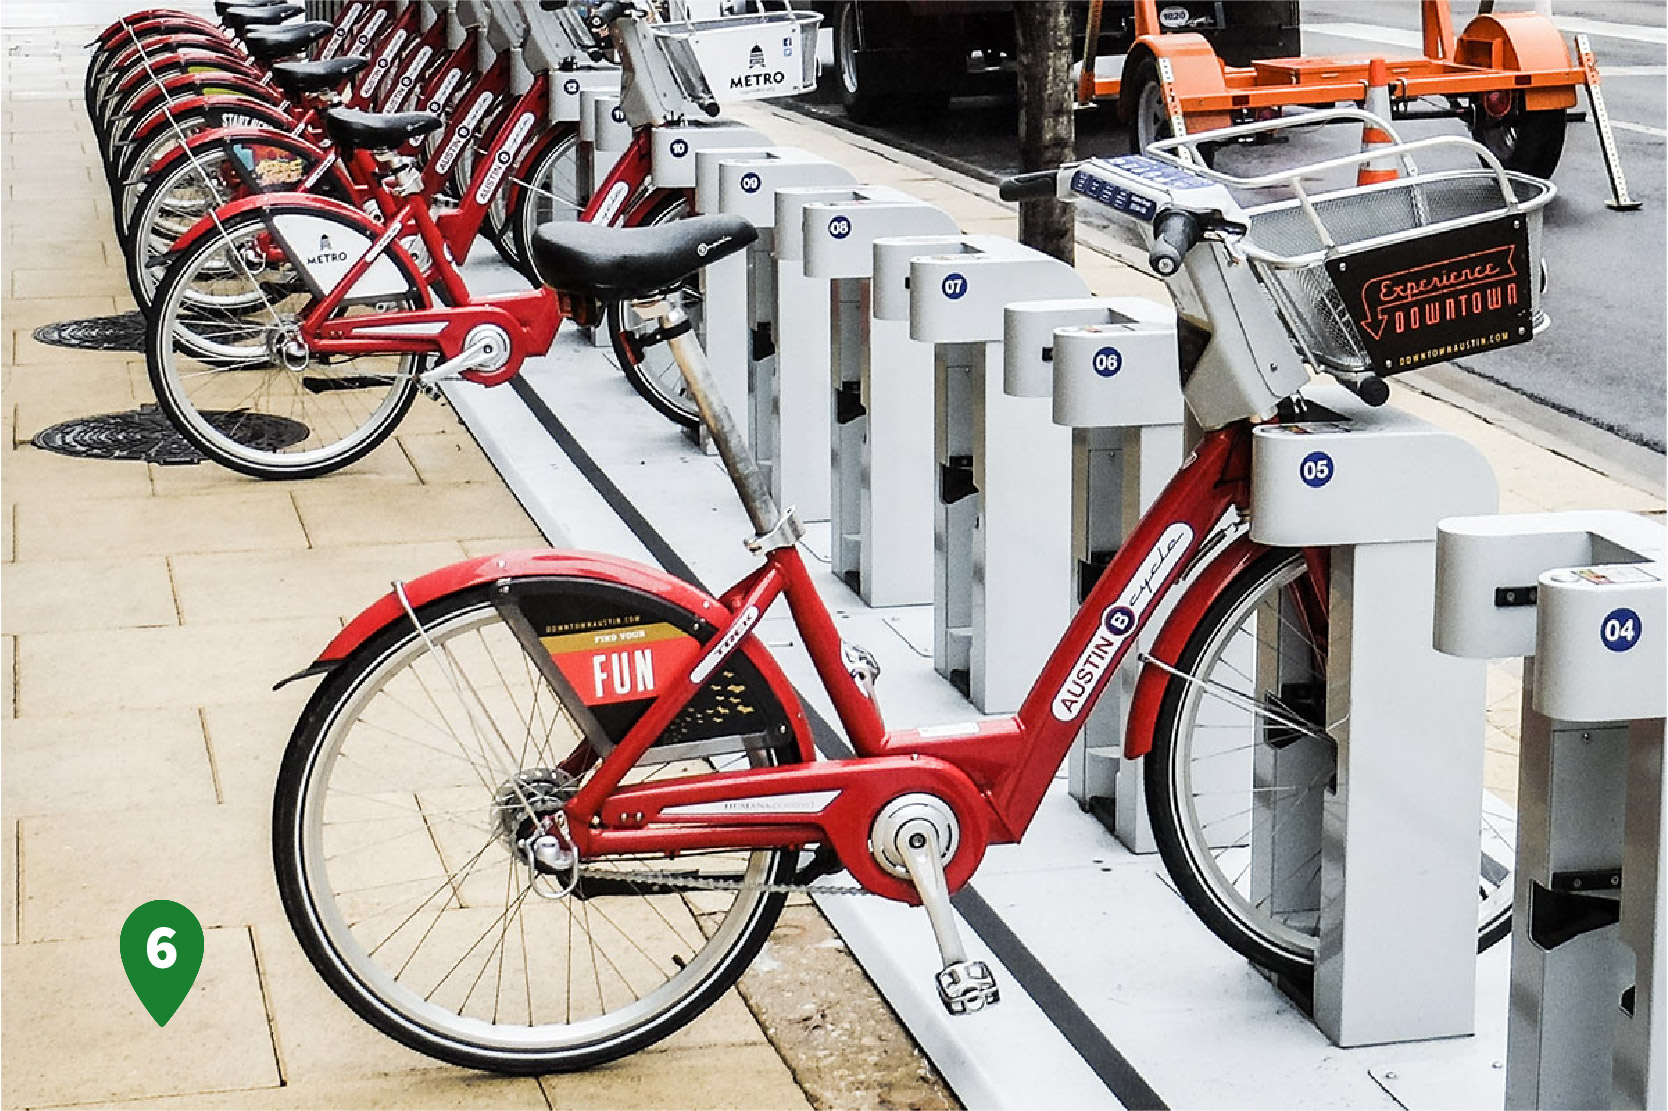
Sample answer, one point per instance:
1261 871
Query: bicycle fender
240 111
141 22
547 563
278 204
292 145
1172 638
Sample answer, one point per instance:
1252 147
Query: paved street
1602 361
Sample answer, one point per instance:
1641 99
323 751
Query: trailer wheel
1149 119
1529 142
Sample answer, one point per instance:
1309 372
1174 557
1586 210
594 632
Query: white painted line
1573 25
1643 129
1369 32
1631 32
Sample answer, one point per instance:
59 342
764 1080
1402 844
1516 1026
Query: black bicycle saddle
268 44
613 263
300 78
352 129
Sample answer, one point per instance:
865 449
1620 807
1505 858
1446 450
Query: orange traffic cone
1378 103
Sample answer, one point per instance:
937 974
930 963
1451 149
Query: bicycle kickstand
964 986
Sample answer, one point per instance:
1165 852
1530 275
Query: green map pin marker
162 949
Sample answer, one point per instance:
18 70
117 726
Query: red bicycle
544 807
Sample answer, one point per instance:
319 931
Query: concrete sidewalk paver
147 612
217 1041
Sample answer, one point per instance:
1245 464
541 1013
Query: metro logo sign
622 664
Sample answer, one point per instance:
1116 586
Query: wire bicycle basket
1385 278
736 58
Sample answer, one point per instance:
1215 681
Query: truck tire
919 77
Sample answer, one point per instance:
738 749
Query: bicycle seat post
750 482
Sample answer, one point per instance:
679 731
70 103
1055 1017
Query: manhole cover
147 435
123 332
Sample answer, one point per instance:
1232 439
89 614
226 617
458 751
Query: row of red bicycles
295 199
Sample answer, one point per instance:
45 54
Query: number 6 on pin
162 949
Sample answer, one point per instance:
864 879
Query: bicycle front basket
1418 270
748 57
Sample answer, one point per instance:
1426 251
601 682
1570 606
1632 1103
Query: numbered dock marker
954 285
162 949
1316 469
839 227
750 182
1108 362
679 148
1620 630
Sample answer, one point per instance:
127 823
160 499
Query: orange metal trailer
1508 75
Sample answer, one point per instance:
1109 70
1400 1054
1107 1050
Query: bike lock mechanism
912 838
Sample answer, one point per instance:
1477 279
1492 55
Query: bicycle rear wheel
420 772
1240 766
231 371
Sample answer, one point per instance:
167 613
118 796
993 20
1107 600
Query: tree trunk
1046 125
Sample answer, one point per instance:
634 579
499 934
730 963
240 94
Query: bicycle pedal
967 986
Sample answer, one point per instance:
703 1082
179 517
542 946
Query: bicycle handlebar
1035 185
1174 234
607 12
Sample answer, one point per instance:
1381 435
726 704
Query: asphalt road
1603 360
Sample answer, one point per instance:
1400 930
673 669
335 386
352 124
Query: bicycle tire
218 364
549 191
1204 815
168 207
641 959
651 370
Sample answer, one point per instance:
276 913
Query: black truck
908 57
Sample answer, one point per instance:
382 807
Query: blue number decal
750 182
1108 362
1316 469
839 227
954 286
1620 630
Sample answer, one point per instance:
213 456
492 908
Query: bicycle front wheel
648 363
231 370
420 773
1240 766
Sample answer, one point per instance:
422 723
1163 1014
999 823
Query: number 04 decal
1620 630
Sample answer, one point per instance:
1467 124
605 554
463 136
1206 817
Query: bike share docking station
1002 587
1396 836
1580 597
741 330
880 486
1110 364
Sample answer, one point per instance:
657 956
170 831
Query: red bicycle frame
993 772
